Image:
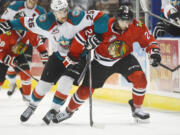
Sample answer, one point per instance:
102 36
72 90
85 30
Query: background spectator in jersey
171 12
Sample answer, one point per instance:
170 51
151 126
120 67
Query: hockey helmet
57 5
124 13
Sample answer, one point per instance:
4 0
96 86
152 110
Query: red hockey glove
155 57
44 57
9 61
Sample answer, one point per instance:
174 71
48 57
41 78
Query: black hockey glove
19 14
155 57
5 27
159 30
93 41
44 57
9 61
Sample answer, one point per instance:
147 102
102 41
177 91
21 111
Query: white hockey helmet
57 5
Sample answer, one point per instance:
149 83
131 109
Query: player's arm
4 56
38 42
76 49
10 12
41 47
147 41
40 25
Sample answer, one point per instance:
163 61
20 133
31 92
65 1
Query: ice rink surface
109 119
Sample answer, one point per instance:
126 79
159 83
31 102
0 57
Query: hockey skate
11 90
138 114
61 116
26 98
28 112
49 116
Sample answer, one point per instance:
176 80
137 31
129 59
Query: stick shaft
90 89
26 73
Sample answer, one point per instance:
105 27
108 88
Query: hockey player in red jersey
15 10
13 44
113 55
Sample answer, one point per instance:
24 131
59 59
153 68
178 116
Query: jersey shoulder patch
75 17
138 23
101 24
45 21
16 5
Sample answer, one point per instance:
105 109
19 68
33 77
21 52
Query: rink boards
165 102
163 90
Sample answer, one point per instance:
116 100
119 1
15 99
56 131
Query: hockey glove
155 57
93 42
19 14
9 61
69 62
44 57
159 30
5 27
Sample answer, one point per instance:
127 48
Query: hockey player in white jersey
21 8
170 10
28 7
60 26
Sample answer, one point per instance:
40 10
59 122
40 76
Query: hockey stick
145 9
90 88
83 73
168 68
26 73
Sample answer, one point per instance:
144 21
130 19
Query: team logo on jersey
118 49
19 48
75 13
64 42
42 18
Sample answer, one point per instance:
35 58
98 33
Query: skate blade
141 121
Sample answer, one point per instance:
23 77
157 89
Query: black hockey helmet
124 13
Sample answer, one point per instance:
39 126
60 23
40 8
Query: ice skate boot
61 116
26 98
11 90
138 114
28 112
49 116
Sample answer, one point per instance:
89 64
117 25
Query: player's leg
132 71
12 80
25 79
51 73
64 86
99 74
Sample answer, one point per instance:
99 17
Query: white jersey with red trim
21 6
62 34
